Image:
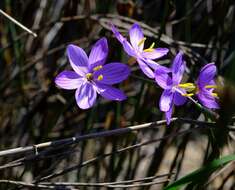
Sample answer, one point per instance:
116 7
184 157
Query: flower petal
154 65
168 115
162 77
112 73
128 48
207 100
78 59
136 35
166 100
110 92
178 68
99 53
145 68
117 34
68 80
156 53
207 74
86 95
212 82
179 99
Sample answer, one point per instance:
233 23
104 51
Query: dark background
33 110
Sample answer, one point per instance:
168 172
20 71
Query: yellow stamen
215 95
188 95
152 45
97 68
210 86
100 77
188 86
141 41
89 76
148 50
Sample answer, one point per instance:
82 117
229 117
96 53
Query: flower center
192 89
150 49
89 76
188 87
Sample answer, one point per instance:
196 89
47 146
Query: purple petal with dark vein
99 53
112 73
145 68
212 82
78 59
163 78
109 92
86 95
207 100
154 65
117 34
136 35
68 80
168 115
129 49
156 53
207 74
179 99
178 68
166 100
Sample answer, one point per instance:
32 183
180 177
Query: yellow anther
89 76
152 46
188 95
148 50
97 68
215 95
141 41
210 86
187 86
100 77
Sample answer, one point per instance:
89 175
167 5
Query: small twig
21 183
17 23
109 185
52 185
119 182
73 140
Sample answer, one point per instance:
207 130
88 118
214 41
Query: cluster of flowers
91 75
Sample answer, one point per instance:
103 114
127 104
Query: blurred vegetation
33 110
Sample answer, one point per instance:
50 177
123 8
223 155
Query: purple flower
136 49
169 80
205 86
91 76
